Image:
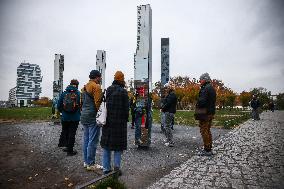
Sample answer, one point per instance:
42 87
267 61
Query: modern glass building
28 84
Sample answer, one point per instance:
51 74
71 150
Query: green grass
223 118
28 114
109 182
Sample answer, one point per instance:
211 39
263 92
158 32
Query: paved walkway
251 156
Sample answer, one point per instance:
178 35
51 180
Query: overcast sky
238 41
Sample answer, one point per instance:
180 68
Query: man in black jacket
206 101
169 110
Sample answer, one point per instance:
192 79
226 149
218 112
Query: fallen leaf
70 184
66 178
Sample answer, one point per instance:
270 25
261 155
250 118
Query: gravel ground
30 157
249 157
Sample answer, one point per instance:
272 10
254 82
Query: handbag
102 115
200 114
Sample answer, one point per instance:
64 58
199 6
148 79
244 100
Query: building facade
28 84
101 65
12 101
165 61
143 55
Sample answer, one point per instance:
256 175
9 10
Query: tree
43 101
245 98
280 101
262 94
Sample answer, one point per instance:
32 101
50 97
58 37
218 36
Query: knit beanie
94 74
119 76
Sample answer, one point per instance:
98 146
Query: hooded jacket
69 116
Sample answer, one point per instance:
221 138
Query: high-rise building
12 101
165 61
101 65
58 76
143 55
28 83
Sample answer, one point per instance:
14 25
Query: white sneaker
94 167
85 165
170 144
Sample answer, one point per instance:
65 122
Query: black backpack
70 102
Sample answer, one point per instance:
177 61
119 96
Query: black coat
169 103
114 133
255 104
207 98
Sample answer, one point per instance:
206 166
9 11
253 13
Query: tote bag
101 115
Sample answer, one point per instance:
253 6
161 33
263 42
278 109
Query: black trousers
67 136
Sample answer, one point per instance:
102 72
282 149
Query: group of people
83 106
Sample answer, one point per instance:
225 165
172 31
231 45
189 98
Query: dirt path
30 157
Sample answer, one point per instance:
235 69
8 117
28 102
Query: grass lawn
28 114
223 118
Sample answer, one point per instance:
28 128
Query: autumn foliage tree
43 101
245 98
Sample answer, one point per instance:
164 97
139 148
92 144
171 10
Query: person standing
206 102
91 101
162 113
114 133
69 106
169 110
255 105
132 107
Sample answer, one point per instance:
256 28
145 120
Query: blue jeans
138 122
90 142
107 159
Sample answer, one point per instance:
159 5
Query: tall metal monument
165 61
58 82
143 70
101 65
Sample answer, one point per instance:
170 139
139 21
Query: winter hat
74 82
119 76
94 74
205 77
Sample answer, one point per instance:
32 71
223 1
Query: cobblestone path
250 156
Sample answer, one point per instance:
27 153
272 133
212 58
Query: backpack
70 102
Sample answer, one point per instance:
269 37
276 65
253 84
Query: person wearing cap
91 101
114 133
169 110
255 105
206 101
70 116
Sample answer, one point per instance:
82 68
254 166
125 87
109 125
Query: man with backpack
91 101
69 106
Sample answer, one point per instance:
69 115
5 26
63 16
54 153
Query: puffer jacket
91 101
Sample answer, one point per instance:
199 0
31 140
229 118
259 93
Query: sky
240 42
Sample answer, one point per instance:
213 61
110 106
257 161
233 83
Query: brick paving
250 156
